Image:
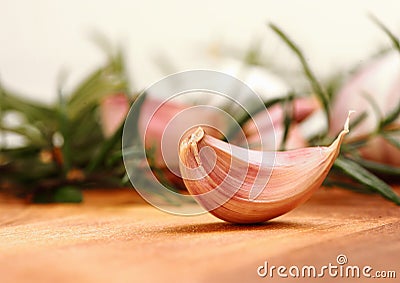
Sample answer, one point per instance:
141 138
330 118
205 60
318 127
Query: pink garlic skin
113 111
152 128
302 108
154 118
380 79
163 124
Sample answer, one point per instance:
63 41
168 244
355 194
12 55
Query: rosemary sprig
246 116
364 177
65 132
393 38
391 117
354 168
268 103
287 105
376 166
105 150
316 86
44 170
375 108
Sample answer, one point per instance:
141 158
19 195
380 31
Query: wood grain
116 237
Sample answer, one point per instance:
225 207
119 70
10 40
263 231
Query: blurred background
40 39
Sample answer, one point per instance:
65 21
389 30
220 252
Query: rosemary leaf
317 88
391 117
27 132
287 106
377 167
253 55
109 79
249 115
105 149
65 132
354 145
392 140
393 38
32 111
374 105
358 120
363 176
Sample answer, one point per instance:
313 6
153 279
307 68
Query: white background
39 38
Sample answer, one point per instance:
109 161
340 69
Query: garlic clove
379 78
260 133
154 118
113 111
247 186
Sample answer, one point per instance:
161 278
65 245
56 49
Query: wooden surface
115 237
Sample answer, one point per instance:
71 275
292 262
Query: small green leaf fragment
68 194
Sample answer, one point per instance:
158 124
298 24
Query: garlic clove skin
379 78
113 111
261 134
246 186
154 118
161 124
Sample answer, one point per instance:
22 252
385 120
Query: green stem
393 38
65 132
105 149
287 106
317 88
249 115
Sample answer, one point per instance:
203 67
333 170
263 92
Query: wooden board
116 237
